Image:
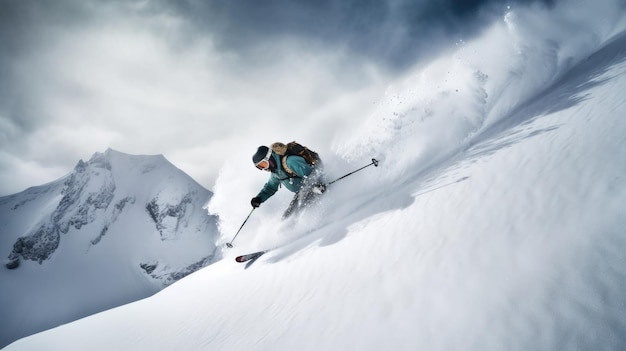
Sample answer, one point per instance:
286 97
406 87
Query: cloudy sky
194 79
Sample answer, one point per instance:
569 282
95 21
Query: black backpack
293 148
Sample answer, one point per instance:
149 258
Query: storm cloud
194 79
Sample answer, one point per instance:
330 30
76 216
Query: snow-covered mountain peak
122 164
103 187
131 223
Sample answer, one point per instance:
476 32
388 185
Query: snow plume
440 107
424 116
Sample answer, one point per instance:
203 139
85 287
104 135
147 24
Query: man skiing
292 171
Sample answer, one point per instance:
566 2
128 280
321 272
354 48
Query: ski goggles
264 164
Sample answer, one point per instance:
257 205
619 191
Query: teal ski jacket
279 176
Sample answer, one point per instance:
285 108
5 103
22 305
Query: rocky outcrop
167 217
78 207
167 276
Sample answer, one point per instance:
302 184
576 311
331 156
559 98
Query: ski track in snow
501 230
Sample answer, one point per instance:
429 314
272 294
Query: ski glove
256 202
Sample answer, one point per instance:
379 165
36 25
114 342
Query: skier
292 171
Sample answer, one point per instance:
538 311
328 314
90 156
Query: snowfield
495 220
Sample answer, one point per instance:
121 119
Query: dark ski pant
301 200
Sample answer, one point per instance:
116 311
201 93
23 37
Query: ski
249 257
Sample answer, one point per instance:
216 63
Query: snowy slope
495 222
117 229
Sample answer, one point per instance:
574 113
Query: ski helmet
263 153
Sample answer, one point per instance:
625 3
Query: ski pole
230 244
374 162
